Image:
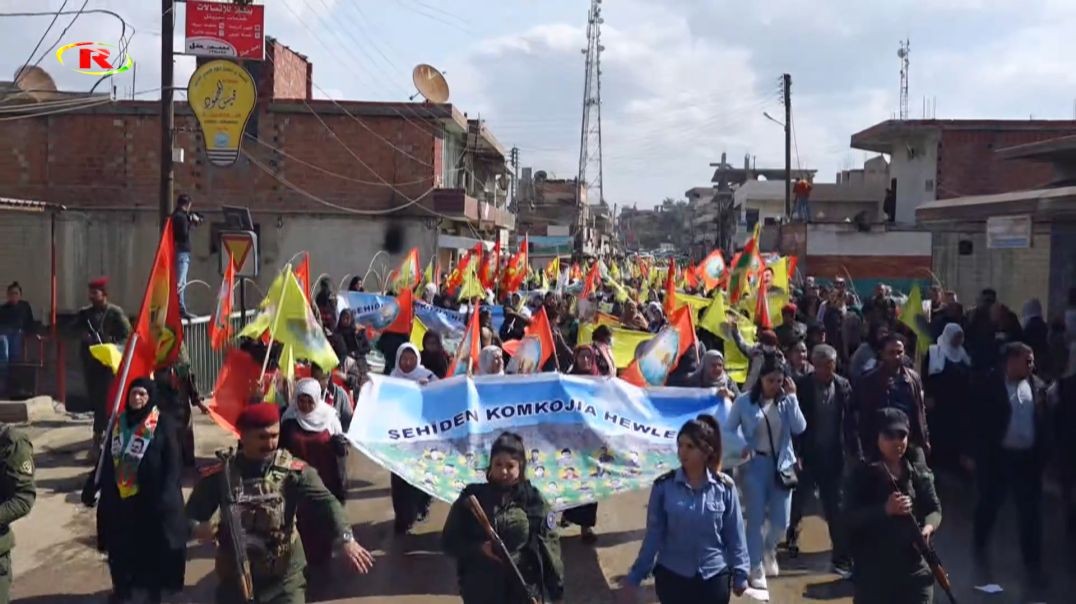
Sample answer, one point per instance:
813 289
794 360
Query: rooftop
881 137
1041 204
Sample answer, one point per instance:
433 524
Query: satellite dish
430 83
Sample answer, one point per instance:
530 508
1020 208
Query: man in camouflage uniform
270 484
100 323
17 495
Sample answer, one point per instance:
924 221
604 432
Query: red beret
258 415
790 308
99 283
767 337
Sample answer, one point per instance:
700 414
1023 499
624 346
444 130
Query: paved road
55 562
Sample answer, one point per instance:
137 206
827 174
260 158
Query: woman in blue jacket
694 541
767 417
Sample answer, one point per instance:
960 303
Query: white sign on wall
1008 232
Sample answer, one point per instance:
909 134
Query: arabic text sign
587 438
222 96
216 29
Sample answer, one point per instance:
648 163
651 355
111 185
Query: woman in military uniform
140 516
882 497
524 522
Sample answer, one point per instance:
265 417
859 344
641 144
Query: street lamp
773 119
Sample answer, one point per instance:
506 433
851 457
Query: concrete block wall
1017 275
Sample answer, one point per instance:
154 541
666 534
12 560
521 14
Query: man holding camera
183 219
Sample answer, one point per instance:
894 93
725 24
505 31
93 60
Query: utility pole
514 161
787 81
168 116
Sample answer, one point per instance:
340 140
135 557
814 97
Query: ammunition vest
269 530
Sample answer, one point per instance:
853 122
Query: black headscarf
136 416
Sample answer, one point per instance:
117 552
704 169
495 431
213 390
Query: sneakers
769 564
757 579
842 569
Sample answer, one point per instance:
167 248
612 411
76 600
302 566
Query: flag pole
272 328
128 356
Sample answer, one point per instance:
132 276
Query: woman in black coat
140 519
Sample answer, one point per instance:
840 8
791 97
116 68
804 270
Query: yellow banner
624 341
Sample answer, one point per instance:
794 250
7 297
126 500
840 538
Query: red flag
455 278
658 356
220 327
712 269
404 315
467 353
487 272
302 273
793 261
590 285
670 289
237 385
530 360
159 328
516 271
691 277
762 305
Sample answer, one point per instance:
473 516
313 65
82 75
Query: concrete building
945 159
547 213
855 192
343 180
1021 243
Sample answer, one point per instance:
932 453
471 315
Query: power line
86 105
63 33
42 38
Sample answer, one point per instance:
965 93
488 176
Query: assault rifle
925 549
233 526
480 515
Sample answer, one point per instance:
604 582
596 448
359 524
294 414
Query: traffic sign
242 248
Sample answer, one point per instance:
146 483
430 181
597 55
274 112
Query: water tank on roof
540 176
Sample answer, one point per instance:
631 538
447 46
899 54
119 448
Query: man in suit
1008 442
824 398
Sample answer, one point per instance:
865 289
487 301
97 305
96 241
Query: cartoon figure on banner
657 355
527 356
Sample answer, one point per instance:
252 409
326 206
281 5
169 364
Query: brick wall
110 158
291 73
868 267
968 164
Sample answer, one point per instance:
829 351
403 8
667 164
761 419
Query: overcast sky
683 81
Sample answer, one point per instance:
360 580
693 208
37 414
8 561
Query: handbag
787 478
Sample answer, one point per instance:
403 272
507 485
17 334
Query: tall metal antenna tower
902 53
590 133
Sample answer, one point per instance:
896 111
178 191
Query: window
930 185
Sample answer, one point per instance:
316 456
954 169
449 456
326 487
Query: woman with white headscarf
310 430
409 366
947 380
491 361
409 504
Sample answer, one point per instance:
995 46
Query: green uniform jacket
527 526
113 325
301 483
883 546
17 493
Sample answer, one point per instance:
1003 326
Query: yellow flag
697 303
913 316
267 308
108 355
716 314
418 332
471 287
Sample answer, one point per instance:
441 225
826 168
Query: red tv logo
94 58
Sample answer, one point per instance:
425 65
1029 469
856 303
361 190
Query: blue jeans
801 209
764 500
10 352
183 266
